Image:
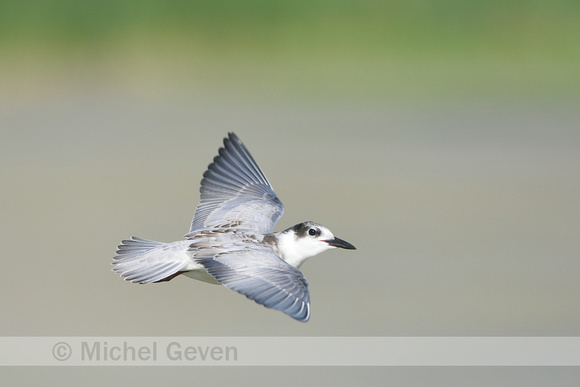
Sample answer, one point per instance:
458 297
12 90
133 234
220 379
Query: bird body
231 240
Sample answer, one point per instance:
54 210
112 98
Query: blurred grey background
441 138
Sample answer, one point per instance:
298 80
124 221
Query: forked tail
146 261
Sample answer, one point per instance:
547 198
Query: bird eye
312 232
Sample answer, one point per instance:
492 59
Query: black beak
337 242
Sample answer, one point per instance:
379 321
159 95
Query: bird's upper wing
259 274
235 191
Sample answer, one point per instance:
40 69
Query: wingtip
232 137
306 317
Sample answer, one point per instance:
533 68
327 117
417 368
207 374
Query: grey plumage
232 241
234 188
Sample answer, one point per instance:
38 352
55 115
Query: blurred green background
341 49
439 137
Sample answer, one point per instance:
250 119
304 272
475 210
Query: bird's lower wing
261 276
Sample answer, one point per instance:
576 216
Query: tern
232 241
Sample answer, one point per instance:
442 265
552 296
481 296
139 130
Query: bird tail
145 261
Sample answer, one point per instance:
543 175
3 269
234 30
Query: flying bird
232 241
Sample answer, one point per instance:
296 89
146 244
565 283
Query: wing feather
260 275
235 190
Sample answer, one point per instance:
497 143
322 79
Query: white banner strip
290 351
